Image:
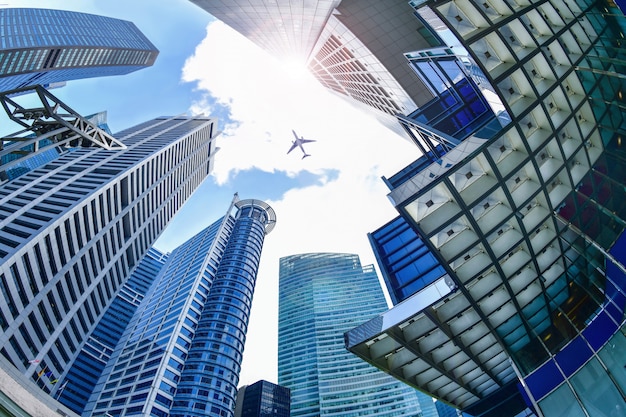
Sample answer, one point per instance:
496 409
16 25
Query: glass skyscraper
73 230
322 295
355 48
79 382
263 399
286 29
181 353
517 296
45 47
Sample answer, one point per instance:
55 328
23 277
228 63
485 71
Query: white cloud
266 102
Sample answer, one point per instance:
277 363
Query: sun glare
294 69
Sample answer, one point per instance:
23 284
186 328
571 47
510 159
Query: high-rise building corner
181 352
49 47
73 230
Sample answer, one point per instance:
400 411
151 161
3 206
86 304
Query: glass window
614 357
596 390
561 403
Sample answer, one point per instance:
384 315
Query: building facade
286 29
360 54
523 210
181 353
322 295
72 231
263 399
353 47
47 47
79 382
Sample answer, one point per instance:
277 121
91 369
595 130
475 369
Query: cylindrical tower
216 351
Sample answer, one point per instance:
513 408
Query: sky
325 203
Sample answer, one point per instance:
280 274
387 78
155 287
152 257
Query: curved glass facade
215 355
526 219
182 352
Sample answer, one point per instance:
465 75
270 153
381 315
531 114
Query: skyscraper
181 354
360 54
321 295
522 207
78 383
73 230
354 48
45 47
263 399
286 29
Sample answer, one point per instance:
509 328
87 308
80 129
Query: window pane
596 390
561 403
614 357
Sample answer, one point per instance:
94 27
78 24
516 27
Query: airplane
298 143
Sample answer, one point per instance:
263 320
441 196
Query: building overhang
415 342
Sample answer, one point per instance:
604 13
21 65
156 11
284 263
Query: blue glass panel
617 284
573 356
597 392
544 379
599 330
613 310
451 69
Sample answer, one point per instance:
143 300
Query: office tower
262 399
355 48
72 231
360 54
181 353
524 210
79 382
286 29
47 47
322 295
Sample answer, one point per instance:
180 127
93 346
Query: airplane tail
305 155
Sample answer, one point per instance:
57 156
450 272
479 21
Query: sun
295 69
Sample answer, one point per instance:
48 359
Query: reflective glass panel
614 357
561 403
597 392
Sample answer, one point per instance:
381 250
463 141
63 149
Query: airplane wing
306 140
293 146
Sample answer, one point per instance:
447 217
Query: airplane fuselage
298 144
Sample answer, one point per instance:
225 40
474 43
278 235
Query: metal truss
51 124
428 139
